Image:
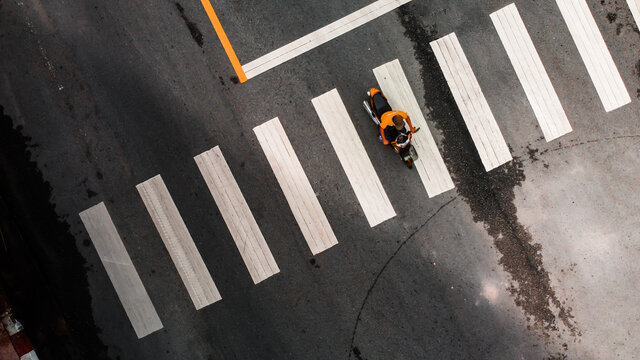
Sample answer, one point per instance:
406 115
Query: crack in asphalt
535 153
384 267
196 34
592 141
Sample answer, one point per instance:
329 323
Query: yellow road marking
224 40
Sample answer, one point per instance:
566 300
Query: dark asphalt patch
490 195
196 34
41 269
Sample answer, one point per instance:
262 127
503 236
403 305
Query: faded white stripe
121 271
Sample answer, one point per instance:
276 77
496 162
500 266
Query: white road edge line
320 36
354 159
121 271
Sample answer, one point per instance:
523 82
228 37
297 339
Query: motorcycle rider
395 123
395 126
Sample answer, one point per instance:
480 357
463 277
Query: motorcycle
376 106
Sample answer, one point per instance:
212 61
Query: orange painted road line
224 40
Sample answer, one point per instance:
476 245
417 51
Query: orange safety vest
387 120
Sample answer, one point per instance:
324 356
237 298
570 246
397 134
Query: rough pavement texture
535 260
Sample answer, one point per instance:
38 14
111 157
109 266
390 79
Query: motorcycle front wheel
409 163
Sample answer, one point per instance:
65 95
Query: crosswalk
360 172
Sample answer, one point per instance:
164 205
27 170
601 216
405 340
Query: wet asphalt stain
490 195
532 154
616 12
357 353
41 270
196 34
91 193
314 263
557 357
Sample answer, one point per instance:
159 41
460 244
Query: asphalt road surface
536 259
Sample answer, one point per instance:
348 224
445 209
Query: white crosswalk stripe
237 215
295 185
353 157
484 130
121 271
178 241
531 72
594 53
430 166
